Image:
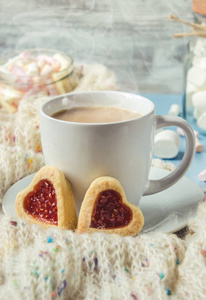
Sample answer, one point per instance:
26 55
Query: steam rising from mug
131 38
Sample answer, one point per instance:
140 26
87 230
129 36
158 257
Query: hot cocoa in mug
91 134
95 114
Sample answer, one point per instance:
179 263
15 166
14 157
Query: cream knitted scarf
54 264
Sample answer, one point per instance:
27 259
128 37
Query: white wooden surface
132 37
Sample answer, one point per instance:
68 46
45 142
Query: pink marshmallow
198 146
45 57
202 175
25 55
41 63
51 90
26 70
56 65
18 71
22 86
181 132
27 80
47 70
196 133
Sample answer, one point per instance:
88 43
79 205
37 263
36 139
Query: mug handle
155 186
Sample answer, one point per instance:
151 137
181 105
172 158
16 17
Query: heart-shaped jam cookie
48 200
106 209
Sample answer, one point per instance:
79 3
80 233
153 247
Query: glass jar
194 104
34 73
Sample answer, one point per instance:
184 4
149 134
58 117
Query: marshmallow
199 101
25 81
59 83
25 71
47 70
201 122
197 76
199 61
47 58
196 133
10 94
19 63
32 69
196 113
41 63
51 89
25 56
202 175
4 70
64 62
190 90
56 65
60 87
174 110
18 71
12 61
11 108
166 144
198 146
199 47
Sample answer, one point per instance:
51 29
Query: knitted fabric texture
38 263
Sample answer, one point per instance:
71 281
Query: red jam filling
110 212
41 203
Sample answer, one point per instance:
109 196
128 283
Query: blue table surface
163 104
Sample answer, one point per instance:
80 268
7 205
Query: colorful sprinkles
57 290
14 223
133 296
43 253
34 272
161 275
49 239
56 250
169 293
61 287
203 253
15 283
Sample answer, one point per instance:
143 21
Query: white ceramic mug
122 149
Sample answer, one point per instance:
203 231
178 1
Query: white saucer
167 211
170 210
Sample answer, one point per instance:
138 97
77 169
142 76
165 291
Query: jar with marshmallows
194 102
34 73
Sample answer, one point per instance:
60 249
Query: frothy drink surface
95 114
